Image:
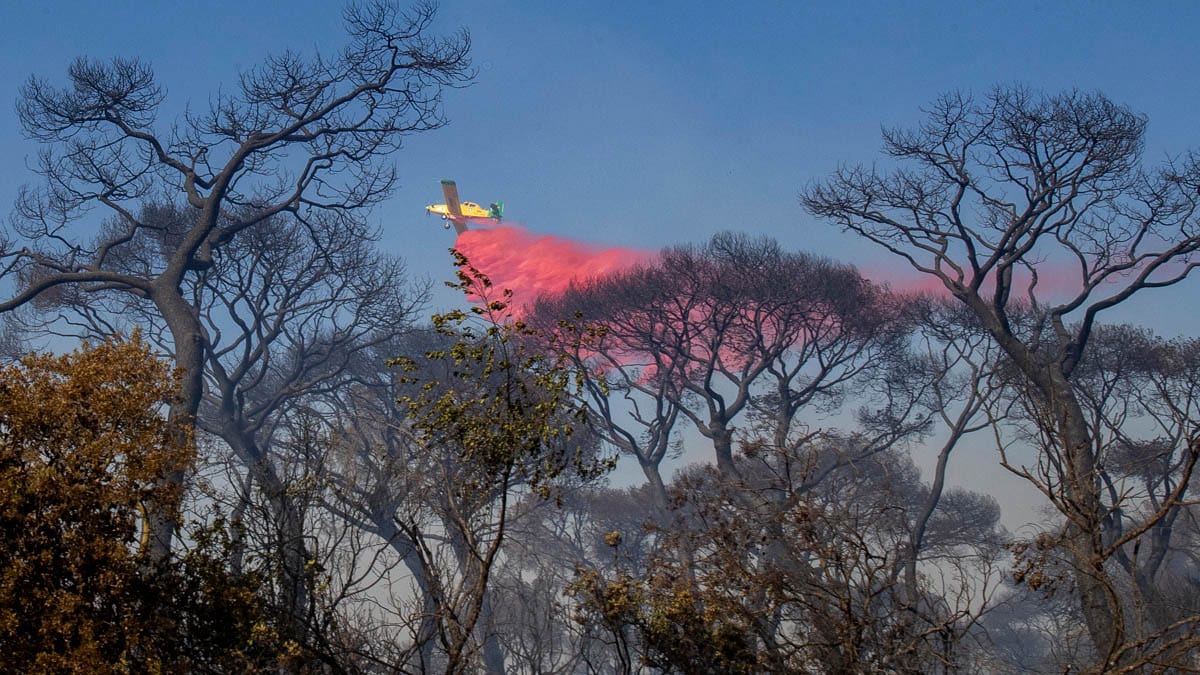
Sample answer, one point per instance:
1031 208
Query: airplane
461 213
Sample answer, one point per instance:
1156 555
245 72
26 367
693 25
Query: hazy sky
644 124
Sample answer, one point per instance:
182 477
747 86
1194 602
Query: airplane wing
450 190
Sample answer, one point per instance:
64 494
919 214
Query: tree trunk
163 519
426 635
658 489
294 556
493 653
722 439
1052 393
1099 602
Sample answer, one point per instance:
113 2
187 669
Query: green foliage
499 403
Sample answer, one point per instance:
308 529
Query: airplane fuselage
469 210
461 213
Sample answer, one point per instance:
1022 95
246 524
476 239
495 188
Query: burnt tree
1036 213
302 138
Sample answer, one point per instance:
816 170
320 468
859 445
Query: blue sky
645 124
648 124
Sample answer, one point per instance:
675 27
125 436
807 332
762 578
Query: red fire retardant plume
1056 282
531 265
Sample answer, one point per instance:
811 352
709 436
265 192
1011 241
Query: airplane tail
496 210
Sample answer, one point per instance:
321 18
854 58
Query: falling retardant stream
531 265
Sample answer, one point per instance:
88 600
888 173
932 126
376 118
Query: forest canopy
256 450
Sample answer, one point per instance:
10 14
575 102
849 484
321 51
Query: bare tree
287 313
288 319
303 138
1142 398
734 328
628 381
381 473
739 332
1034 211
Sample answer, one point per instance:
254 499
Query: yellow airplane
461 213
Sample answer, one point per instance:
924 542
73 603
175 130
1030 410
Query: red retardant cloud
1056 283
532 265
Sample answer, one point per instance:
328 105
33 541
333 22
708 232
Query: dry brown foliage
84 446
